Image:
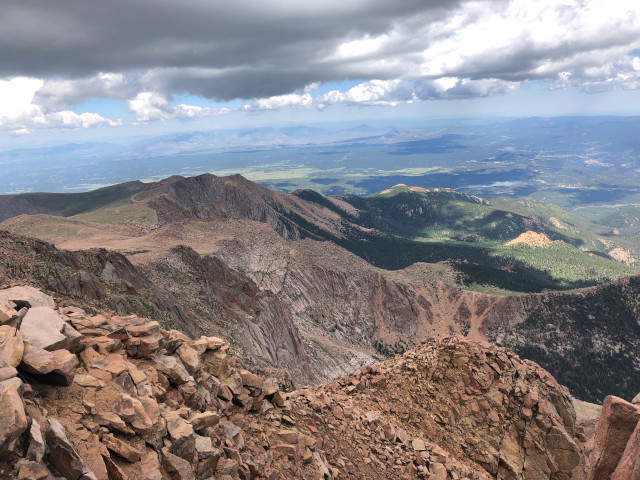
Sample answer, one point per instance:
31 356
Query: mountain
65 204
276 274
121 397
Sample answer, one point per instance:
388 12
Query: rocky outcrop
215 299
449 409
614 451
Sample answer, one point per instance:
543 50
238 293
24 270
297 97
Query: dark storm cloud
278 46
402 51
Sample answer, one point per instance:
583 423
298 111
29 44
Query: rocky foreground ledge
108 397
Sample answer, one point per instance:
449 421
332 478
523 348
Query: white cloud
20 131
16 95
60 93
279 101
150 106
19 111
395 92
69 119
374 92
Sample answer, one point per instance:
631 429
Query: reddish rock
173 368
56 368
13 420
63 456
251 380
203 420
629 465
7 312
113 422
11 347
113 470
177 468
26 296
37 448
182 435
44 328
189 357
133 412
145 346
603 452
150 465
28 470
121 448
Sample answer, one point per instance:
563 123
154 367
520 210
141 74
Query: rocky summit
119 397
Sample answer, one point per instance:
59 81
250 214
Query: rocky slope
64 204
218 299
225 263
113 397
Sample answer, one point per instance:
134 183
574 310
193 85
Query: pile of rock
109 397
614 450
448 410
138 401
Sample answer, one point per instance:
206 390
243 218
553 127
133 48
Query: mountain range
309 287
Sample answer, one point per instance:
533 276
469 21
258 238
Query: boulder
13 420
172 368
604 451
144 347
182 435
134 413
150 465
189 357
63 456
36 443
43 327
7 312
563 449
11 347
121 448
29 470
55 368
113 422
113 471
200 421
176 467
7 372
142 330
26 297
629 464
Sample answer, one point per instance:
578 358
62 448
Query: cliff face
118 397
234 258
197 295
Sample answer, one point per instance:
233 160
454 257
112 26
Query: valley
310 287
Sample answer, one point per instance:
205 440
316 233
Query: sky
72 70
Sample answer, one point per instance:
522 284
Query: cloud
18 111
279 101
374 92
268 53
58 93
150 106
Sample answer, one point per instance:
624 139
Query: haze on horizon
72 70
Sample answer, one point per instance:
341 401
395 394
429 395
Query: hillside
120 397
456 225
306 303
393 230
65 204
